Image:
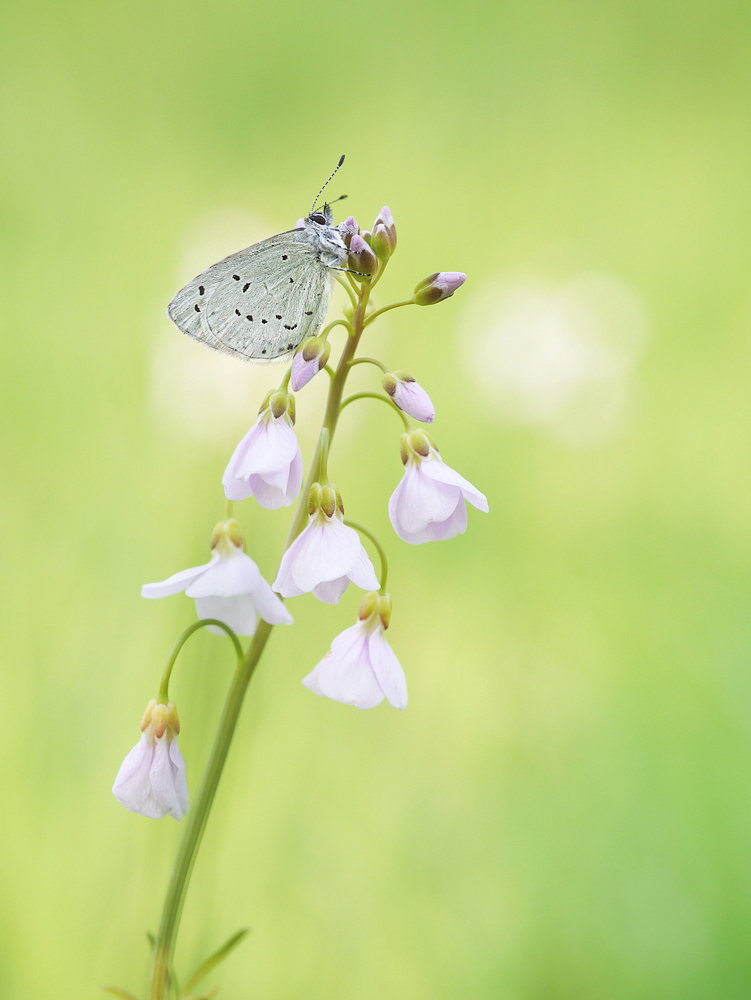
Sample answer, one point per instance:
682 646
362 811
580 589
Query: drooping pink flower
326 555
311 357
348 229
228 587
151 779
267 463
429 504
409 396
361 669
361 257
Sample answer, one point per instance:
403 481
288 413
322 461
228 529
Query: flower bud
436 287
383 240
416 443
369 605
328 501
279 403
348 229
226 533
309 360
314 499
409 396
384 609
361 257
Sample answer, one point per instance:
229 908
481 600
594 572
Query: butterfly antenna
315 201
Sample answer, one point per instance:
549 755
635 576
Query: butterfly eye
318 217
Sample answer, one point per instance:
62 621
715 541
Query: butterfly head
322 217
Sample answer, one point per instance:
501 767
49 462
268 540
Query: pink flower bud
409 396
361 257
436 287
348 229
383 240
309 360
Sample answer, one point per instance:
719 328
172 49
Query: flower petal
268 605
237 611
163 779
328 549
132 785
418 500
181 785
228 576
179 581
331 591
437 470
387 669
363 573
345 674
441 531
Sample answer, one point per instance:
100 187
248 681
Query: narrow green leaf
203 996
214 960
119 992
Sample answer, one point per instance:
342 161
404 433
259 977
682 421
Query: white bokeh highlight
559 356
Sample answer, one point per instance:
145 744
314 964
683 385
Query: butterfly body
260 303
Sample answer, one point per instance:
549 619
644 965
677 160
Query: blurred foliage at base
563 810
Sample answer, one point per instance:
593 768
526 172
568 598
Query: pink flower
228 587
429 505
267 463
311 357
326 555
437 287
361 257
151 779
361 669
409 396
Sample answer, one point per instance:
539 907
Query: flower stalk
164 946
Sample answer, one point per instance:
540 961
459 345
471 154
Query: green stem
382 555
164 946
369 361
337 322
196 823
347 288
164 686
383 309
383 399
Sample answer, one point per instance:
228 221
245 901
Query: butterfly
260 303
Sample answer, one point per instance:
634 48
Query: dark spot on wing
264 321
289 347
308 313
201 289
236 277
246 286
249 317
278 316
290 327
196 309
284 256
291 280
237 312
263 351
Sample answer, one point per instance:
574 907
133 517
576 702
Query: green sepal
211 963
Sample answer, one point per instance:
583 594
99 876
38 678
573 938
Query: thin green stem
383 309
383 399
196 822
285 381
369 361
337 322
382 555
164 686
323 475
348 289
228 509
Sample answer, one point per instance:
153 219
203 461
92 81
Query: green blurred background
563 810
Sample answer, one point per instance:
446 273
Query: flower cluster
325 553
